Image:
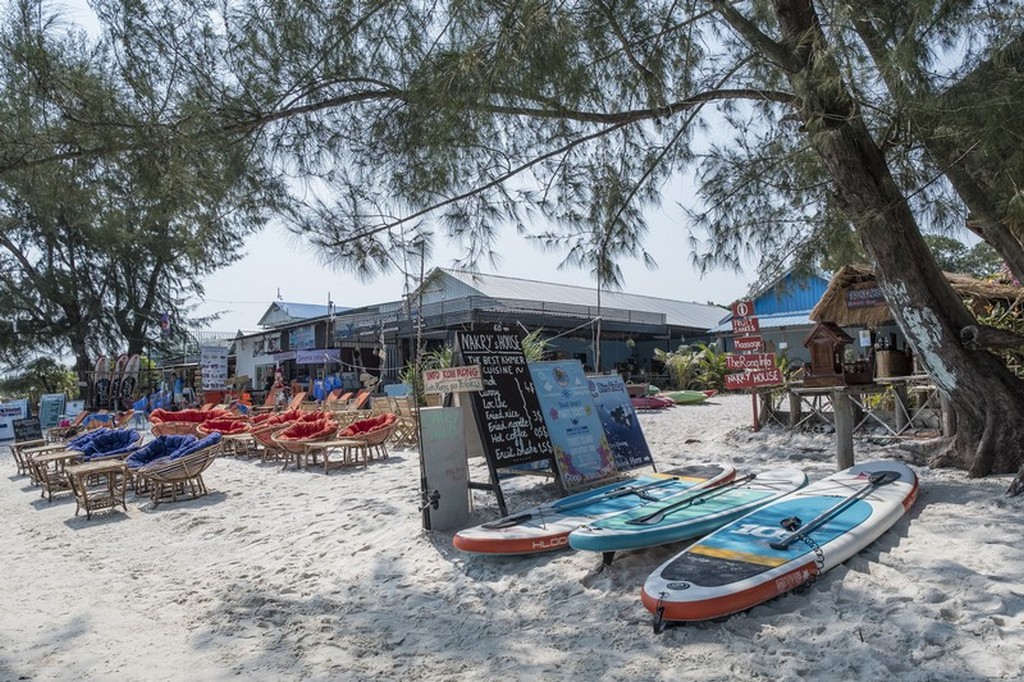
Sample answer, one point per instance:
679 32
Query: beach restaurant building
309 342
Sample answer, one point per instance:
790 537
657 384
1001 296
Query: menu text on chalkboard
27 429
507 411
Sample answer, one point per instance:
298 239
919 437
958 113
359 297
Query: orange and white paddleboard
546 528
782 545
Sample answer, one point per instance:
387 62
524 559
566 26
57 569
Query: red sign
742 308
748 343
747 325
755 379
752 361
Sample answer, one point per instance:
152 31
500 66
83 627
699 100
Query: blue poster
629 447
581 448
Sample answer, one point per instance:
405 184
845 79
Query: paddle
515 520
658 516
875 480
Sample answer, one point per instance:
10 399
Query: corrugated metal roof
800 318
281 312
677 313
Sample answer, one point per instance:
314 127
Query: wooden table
351 450
49 470
98 485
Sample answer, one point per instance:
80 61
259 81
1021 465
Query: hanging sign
864 298
453 379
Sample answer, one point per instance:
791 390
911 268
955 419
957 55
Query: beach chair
358 442
70 429
235 433
183 422
294 438
108 444
181 472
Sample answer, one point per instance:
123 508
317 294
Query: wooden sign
748 343
751 361
743 308
453 379
756 379
747 325
864 298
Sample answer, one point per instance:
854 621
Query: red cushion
225 425
306 430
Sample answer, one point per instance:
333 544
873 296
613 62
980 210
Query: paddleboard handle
875 480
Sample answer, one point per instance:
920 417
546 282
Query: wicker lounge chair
358 443
236 433
108 444
294 438
184 422
180 472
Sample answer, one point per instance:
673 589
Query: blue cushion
159 448
108 442
212 439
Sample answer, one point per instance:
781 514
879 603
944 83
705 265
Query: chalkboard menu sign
507 411
51 406
27 429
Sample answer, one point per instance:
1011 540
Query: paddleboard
782 545
686 515
685 397
102 382
547 527
130 379
115 380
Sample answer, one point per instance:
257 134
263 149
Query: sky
276 261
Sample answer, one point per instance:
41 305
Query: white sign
445 467
453 379
16 409
213 361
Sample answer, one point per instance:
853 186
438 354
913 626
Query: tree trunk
988 398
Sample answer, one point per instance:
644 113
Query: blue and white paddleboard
547 527
782 545
688 514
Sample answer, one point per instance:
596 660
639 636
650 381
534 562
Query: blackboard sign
507 411
27 429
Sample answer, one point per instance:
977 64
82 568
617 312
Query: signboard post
755 369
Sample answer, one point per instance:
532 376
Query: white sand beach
279 575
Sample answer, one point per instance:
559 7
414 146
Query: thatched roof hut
853 298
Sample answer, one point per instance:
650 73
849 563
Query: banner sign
621 426
319 356
508 414
16 409
581 448
743 308
51 407
213 362
453 379
302 338
756 379
748 325
752 361
748 343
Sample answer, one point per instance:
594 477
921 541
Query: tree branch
978 336
774 51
